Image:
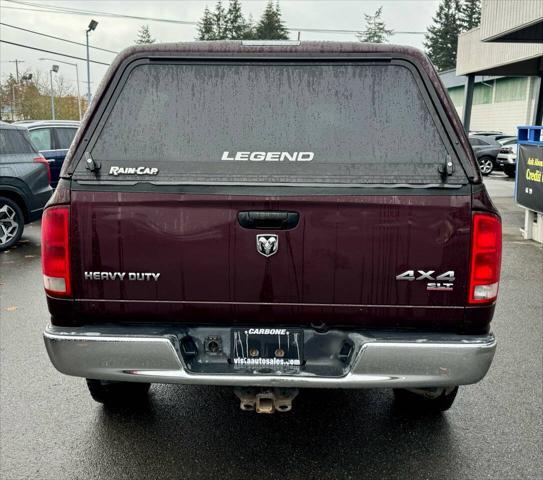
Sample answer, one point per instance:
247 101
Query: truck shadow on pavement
199 432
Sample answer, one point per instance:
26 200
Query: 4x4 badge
267 245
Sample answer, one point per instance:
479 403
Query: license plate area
267 348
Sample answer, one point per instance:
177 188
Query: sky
117 33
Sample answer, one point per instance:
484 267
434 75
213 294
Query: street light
92 26
55 69
76 79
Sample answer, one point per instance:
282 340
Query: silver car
507 159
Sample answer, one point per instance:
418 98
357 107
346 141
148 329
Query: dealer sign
530 177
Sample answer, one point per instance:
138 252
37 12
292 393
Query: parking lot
51 429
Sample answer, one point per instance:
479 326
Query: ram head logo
267 245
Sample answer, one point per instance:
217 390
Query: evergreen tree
219 21
144 35
441 41
470 14
270 26
206 26
230 24
375 31
236 25
250 29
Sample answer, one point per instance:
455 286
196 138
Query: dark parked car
487 147
53 138
24 183
247 214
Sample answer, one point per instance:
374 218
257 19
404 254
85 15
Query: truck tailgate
338 265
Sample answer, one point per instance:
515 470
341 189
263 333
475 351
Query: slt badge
267 245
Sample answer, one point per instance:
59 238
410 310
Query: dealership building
501 63
500 103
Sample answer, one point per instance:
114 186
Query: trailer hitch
266 400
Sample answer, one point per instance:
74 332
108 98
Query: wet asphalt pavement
51 429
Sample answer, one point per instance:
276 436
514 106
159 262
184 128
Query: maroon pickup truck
272 216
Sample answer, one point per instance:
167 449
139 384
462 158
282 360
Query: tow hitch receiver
266 400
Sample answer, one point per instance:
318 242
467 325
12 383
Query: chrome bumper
504 159
434 360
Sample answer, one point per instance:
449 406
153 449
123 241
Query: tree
35 104
206 26
65 99
441 41
8 98
230 24
470 14
144 35
375 31
219 21
31 99
236 25
270 26
250 30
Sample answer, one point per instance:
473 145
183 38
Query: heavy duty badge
130 276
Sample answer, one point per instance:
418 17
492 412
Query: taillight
41 159
55 251
486 253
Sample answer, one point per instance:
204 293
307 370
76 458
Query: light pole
92 26
54 68
76 79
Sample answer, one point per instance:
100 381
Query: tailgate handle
271 220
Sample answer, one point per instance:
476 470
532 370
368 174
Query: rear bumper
378 361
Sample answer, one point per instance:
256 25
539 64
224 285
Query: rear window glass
14 141
274 123
65 137
41 137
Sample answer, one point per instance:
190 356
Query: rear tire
510 170
486 165
426 401
12 223
117 393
